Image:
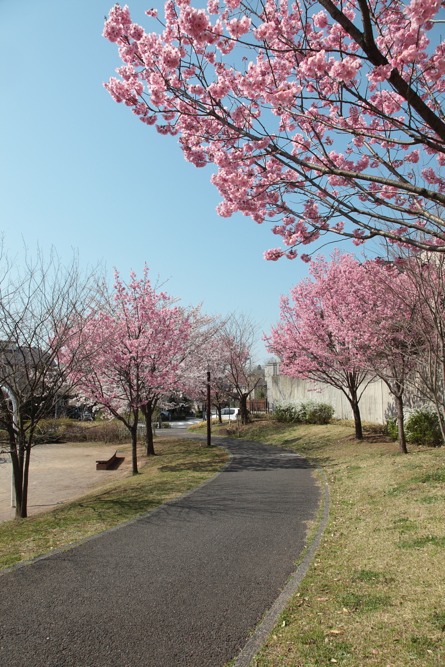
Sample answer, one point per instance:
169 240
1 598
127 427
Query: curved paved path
182 586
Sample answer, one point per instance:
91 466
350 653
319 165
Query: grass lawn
180 466
375 593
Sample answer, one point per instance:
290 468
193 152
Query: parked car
230 414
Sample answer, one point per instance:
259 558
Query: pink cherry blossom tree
313 339
353 321
194 350
226 350
376 315
318 117
206 353
221 388
167 344
134 347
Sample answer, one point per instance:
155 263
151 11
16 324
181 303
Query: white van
230 414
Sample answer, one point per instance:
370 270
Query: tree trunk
442 425
244 414
400 424
20 458
147 411
397 389
134 448
353 402
20 507
357 419
441 419
17 484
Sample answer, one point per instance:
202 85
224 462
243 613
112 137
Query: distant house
29 372
258 399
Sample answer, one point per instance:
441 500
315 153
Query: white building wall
376 404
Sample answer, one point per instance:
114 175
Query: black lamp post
209 415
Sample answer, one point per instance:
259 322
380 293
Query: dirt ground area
59 473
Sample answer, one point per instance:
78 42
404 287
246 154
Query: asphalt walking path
183 586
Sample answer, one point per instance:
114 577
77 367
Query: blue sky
81 173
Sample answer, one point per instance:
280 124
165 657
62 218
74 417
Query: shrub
391 429
108 431
50 431
422 428
67 430
317 413
309 412
286 413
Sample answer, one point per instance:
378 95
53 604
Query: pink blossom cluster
293 110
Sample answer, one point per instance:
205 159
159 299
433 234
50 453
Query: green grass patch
369 576
430 500
438 619
431 477
374 593
363 602
180 466
404 525
425 541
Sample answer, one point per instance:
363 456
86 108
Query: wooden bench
107 464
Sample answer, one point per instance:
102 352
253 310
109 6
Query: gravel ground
58 473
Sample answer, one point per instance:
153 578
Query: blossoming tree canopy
136 344
133 350
351 321
314 338
318 116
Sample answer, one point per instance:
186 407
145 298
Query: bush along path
184 585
